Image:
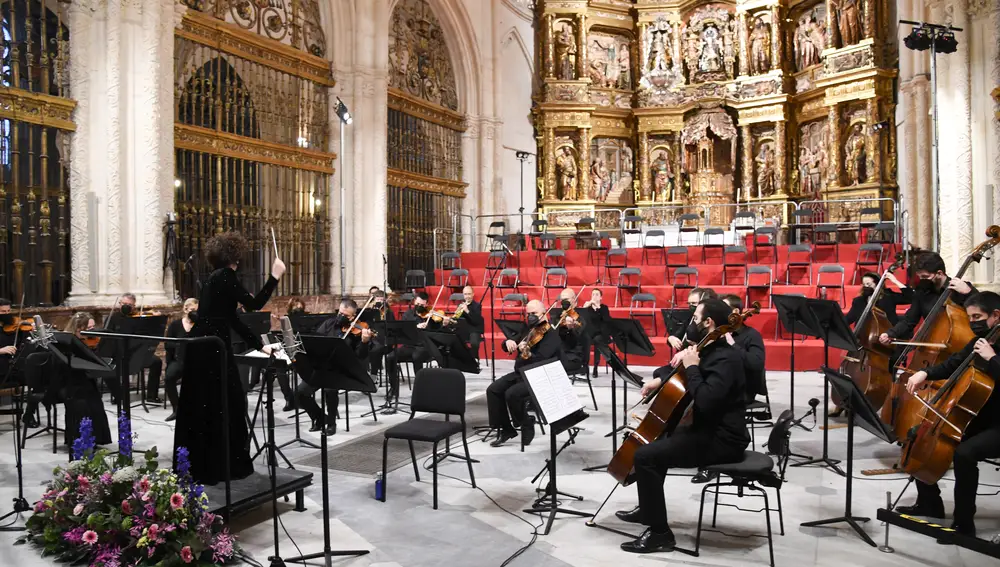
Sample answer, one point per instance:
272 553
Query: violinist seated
887 302
11 334
79 322
932 281
295 306
359 342
380 313
507 397
470 311
418 355
575 342
178 329
127 309
679 342
718 433
597 317
982 437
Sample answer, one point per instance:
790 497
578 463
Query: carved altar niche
708 143
612 171
759 41
566 158
847 21
811 161
660 64
709 44
856 163
609 67
809 36
565 50
419 64
663 168
764 167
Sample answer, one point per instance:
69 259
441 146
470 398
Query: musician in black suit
597 317
718 433
380 314
126 308
887 302
575 342
695 297
470 311
305 393
178 329
418 355
932 281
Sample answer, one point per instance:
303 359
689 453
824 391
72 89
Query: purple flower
85 442
124 436
183 467
75 535
106 478
223 547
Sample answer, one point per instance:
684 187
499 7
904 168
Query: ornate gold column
779 158
550 164
829 26
874 147
833 175
678 169
741 24
869 17
777 39
550 49
583 187
644 174
748 184
581 47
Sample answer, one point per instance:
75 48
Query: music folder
551 390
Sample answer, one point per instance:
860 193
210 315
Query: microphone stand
20 503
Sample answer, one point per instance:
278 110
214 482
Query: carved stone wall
419 61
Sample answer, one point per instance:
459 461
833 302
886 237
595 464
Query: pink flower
126 508
83 481
186 555
153 530
106 478
176 501
144 497
144 484
78 510
90 537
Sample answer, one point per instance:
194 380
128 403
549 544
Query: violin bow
357 318
20 312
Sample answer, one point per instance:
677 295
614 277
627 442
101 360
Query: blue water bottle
378 486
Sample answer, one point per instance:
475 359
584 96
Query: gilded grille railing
35 121
251 136
425 188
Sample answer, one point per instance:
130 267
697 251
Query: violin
17 324
428 314
356 329
91 342
534 337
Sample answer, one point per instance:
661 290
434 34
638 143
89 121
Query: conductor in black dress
199 412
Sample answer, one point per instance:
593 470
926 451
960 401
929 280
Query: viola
18 324
91 342
356 329
534 337
667 405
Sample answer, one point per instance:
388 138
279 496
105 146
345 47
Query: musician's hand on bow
277 268
571 323
885 339
649 387
690 357
984 349
916 381
9 350
729 339
893 279
366 335
959 286
510 346
675 342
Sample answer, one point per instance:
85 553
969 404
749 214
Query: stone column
830 27
583 179
550 49
748 179
645 185
581 47
550 164
780 158
875 145
922 96
777 38
834 163
744 56
678 168
994 132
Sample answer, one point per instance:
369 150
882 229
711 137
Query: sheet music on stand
552 390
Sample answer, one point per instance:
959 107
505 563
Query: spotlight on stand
343 113
919 39
946 42
880 126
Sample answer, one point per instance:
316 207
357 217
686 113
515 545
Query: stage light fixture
919 39
946 42
343 113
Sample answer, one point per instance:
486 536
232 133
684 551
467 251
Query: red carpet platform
585 267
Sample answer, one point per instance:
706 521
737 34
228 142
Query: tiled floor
471 530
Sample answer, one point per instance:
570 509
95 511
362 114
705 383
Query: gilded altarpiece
761 103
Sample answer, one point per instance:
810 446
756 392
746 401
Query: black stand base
20 506
849 520
827 462
326 555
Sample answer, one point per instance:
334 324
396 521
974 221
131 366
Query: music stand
630 338
302 324
676 320
618 368
307 323
794 314
513 330
259 323
836 332
399 333
449 351
558 407
133 357
330 364
857 406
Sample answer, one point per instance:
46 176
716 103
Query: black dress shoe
332 428
502 438
633 516
704 476
30 422
933 509
965 528
836 413
651 542
154 400
289 406
317 425
172 416
528 430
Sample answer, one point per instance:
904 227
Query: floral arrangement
107 510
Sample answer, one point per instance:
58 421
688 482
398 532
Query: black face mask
193 315
296 311
693 308
566 304
6 319
867 291
533 320
126 309
980 328
340 321
926 286
695 332
379 305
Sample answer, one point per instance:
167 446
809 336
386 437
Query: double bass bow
667 405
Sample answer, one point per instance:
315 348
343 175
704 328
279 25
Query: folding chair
689 223
822 285
555 259
415 280
631 226
655 239
870 259
687 273
827 236
800 256
494 263
554 278
677 257
457 279
754 282
744 223
616 259
508 279
512 306
765 238
643 305
868 217
883 233
708 242
629 279
451 261
733 257
496 234
543 244
802 224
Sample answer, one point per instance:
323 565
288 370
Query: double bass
929 447
869 366
667 405
945 331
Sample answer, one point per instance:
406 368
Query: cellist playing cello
718 433
982 436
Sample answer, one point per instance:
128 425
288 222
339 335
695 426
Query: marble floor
485 527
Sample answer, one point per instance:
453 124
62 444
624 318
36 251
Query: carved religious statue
600 179
848 14
659 53
663 183
765 171
566 169
566 52
760 47
710 58
810 40
857 157
805 162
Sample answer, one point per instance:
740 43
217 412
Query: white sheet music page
553 390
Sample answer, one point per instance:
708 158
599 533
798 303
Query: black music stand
400 333
556 383
836 332
857 406
307 323
259 323
132 357
302 324
618 368
796 317
269 367
676 320
630 338
330 364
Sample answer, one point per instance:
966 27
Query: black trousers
506 399
686 448
980 442
375 355
153 372
175 370
305 399
475 339
417 355
663 371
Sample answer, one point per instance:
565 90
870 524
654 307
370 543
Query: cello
945 331
929 448
869 366
667 405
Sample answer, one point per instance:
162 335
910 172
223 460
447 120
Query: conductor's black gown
199 415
